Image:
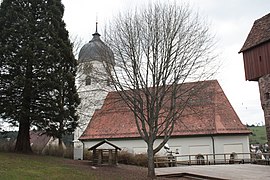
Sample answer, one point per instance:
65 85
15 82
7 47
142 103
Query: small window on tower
88 80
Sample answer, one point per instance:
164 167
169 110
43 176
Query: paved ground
232 171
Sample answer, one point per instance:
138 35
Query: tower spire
96 34
96 27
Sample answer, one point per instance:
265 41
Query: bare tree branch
156 50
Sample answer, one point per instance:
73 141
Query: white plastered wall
92 98
186 145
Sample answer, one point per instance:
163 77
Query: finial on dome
96 33
96 26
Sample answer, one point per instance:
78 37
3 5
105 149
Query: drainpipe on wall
82 151
214 150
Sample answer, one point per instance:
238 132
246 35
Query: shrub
141 160
125 157
53 151
68 153
87 155
7 146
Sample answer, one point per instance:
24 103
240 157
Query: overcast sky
231 21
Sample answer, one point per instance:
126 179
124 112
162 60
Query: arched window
88 80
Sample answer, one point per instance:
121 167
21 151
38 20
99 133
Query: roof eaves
259 33
103 142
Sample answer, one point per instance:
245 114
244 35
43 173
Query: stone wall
264 86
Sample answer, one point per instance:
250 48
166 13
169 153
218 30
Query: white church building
216 130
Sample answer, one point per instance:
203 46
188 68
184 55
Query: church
103 115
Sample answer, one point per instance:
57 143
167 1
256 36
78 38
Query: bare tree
156 50
77 43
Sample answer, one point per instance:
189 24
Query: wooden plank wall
257 62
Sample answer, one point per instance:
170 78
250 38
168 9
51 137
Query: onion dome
96 50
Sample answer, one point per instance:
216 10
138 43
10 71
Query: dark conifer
37 69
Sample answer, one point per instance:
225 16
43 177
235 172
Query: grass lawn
18 166
258 135
24 167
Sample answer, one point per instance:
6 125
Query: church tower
94 64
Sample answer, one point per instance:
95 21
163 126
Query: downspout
83 151
214 150
214 127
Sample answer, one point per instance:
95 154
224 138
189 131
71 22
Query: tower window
88 81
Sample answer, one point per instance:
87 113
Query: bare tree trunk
151 165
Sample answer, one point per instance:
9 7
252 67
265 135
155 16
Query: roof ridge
259 33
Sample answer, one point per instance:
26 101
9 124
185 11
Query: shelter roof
103 142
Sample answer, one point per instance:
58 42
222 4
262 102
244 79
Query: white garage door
198 149
236 148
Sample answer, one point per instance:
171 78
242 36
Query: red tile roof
38 139
259 33
209 113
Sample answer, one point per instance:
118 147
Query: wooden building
256 54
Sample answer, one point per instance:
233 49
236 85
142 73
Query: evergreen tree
37 69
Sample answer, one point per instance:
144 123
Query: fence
212 159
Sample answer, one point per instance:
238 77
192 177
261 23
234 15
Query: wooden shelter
256 55
104 153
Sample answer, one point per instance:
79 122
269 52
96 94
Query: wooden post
94 156
116 156
110 157
100 157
